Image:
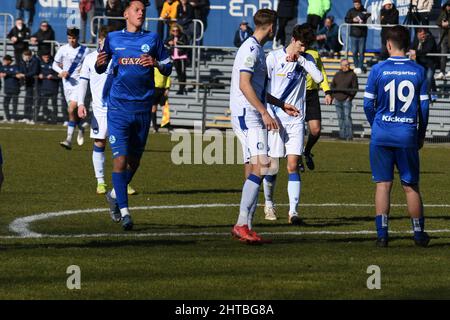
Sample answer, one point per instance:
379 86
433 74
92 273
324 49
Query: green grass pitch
186 252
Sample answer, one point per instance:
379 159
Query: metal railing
347 26
53 44
5 17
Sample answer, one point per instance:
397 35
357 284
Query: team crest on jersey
249 62
260 145
145 48
112 139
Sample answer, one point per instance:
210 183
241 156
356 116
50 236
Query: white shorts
99 127
70 93
288 140
250 131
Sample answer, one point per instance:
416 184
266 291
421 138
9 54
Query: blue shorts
383 159
128 132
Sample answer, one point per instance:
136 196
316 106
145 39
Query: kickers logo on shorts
130 61
112 139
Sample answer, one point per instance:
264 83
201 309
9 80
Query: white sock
249 194
124 212
251 214
294 186
269 187
98 160
70 130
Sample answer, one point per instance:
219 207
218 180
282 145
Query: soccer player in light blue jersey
129 97
396 105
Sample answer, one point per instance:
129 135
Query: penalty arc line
21 226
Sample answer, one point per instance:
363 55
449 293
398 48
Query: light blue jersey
396 103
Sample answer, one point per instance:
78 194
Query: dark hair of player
264 17
7 57
73 32
144 2
304 33
399 37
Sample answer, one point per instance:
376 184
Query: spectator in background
317 10
48 89
179 55
160 26
10 73
201 12
18 34
26 6
423 44
169 12
114 8
443 23
45 33
388 15
185 15
327 39
29 70
162 87
423 9
87 11
243 33
287 10
344 87
358 35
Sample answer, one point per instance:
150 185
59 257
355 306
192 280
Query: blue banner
223 19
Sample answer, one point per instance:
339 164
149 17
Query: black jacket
44 36
30 70
287 8
388 17
21 35
428 46
48 86
12 84
182 40
237 37
117 11
355 31
184 18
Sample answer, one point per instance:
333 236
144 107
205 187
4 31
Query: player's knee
292 167
410 187
100 143
315 131
120 164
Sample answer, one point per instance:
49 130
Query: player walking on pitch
395 101
67 64
99 129
251 119
134 54
287 71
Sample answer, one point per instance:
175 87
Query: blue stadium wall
223 19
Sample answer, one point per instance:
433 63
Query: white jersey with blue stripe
396 101
287 82
66 57
249 58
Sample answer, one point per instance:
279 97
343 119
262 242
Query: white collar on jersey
399 58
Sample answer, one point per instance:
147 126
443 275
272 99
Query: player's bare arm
286 107
246 87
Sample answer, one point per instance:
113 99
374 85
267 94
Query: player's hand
64 75
82 112
291 110
41 76
102 59
269 122
291 57
13 39
421 143
328 99
148 61
49 77
2 74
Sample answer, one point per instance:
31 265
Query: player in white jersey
67 63
99 128
250 117
287 71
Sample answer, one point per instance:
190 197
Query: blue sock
249 194
80 125
418 225
381 222
119 180
130 175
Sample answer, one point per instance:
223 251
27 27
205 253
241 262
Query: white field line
21 226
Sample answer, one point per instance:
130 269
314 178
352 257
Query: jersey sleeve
165 65
85 70
270 62
370 96
248 61
307 61
106 48
58 60
424 107
324 84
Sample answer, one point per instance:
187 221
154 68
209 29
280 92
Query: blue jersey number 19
406 99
